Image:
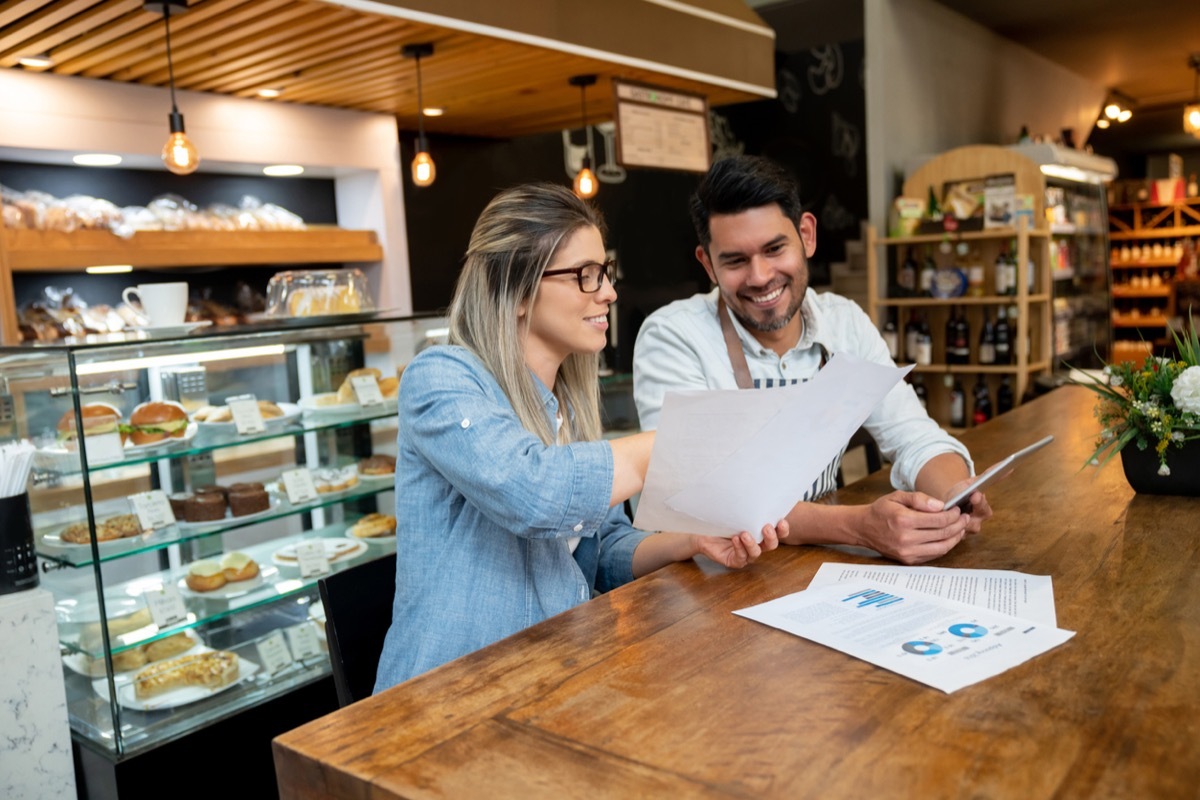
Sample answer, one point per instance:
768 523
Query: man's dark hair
739 184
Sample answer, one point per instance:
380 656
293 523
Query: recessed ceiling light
40 61
109 269
434 111
283 170
96 159
1124 115
270 92
1102 122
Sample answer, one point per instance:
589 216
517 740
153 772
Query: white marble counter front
35 737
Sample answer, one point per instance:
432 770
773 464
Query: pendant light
178 154
1191 113
423 168
586 184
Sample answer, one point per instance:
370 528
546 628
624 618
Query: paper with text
726 461
938 642
1014 593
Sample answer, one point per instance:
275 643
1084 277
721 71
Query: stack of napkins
946 628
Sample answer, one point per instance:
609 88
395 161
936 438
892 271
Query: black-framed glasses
591 275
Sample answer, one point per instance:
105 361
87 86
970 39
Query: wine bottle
1000 273
1004 396
907 277
951 356
962 340
924 344
912 332
1010 281
987 340
958 405
918 385
928 272
983 402
891 336
1003 337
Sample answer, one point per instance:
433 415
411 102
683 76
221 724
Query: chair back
358 613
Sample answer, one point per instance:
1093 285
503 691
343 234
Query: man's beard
776 323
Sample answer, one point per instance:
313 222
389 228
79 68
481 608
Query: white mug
164 303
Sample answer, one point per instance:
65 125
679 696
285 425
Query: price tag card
246 416
311 558
166 606
153 510
366 389
273 653
303 640
104 448
298 483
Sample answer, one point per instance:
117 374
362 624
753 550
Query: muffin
213 489
178 501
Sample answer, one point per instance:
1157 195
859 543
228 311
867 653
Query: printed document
942 643
726 461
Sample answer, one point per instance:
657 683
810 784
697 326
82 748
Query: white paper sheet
1006 591
726 461
942 643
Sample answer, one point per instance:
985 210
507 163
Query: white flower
1164 470
1186 391
1177 436
1115 380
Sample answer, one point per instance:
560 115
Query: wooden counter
657 689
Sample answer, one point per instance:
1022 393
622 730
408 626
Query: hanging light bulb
585 185
179 155
1112 111
1191 112
423 169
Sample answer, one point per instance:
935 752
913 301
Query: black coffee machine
18 562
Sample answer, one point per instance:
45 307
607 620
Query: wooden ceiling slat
13 10
33 24
66 54
207 41
75 27
277 66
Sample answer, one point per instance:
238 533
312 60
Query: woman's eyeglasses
591 275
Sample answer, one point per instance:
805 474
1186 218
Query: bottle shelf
1155 233
989 369
1155 291
966 236
1139 322
1147 263
986 300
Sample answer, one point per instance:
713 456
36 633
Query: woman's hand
741 550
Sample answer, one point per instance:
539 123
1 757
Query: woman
508 499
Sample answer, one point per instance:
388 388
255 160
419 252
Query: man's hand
912 527
741 550
979 509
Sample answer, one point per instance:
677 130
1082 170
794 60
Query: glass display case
220 473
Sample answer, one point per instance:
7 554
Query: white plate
94 667
290 412
229 517
333 545
375 540
309 406
391 476
183 327
53 540
231 589
188 434
77 610
174 698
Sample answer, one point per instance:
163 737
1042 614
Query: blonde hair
514 240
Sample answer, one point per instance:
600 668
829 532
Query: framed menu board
661 128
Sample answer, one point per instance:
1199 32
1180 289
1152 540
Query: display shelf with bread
176 479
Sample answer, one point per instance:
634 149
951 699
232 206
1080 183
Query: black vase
1141 470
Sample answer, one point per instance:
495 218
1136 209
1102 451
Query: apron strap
737 357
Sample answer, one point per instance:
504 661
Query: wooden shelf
992 300
990 369
1190 201
41 251
1139 322
934 238
1155 233
1154 291
1150 263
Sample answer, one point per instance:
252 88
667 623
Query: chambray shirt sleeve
618 540
467 431
905 433
664 359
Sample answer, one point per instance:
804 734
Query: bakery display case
188 492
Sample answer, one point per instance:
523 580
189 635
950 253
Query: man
761 327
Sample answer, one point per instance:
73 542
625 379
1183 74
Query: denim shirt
484 512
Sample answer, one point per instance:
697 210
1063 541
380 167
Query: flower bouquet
1153 405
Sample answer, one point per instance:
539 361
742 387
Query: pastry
169 647
204 507
245 487
238 566
210 670
374 525
157 422
205 576
334 549
345 392
389 387
119 527
89 635
128 659
248 501
333 479
178 502
377 465
213 489
77 533
269 410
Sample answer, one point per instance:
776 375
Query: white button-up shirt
680 346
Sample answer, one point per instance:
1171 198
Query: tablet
962 499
